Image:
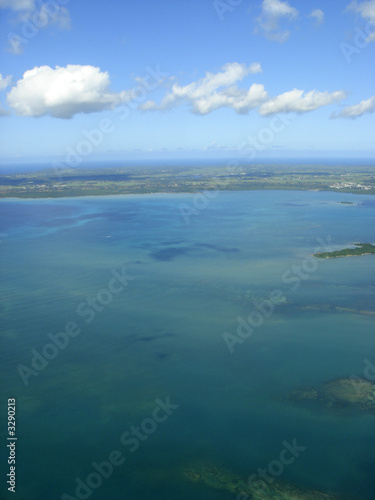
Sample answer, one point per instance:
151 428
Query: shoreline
187 180
191 193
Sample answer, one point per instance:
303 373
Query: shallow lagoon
163 336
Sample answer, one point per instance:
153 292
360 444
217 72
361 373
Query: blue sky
86 80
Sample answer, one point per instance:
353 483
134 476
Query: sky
93 80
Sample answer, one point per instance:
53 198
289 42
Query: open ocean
149 300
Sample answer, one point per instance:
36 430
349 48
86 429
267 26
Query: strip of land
69 182
360 249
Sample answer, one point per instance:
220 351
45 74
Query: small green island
361 249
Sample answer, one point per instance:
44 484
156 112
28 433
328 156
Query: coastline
187 192
107 181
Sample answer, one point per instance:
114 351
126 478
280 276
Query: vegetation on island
353 392
360 249
254 489
69 182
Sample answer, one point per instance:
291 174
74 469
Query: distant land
361 249
70 182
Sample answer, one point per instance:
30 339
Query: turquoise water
162 336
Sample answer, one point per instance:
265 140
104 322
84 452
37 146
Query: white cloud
318 15
255 68
17 4
299 101
365 9
215 90
365 106
273 11
149 106
5 82
241 101
64 91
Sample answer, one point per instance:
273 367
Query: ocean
147 336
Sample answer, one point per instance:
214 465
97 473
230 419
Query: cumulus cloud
64 91
241 101
215 90
300 102
218 90
365 106
273 12
318 15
